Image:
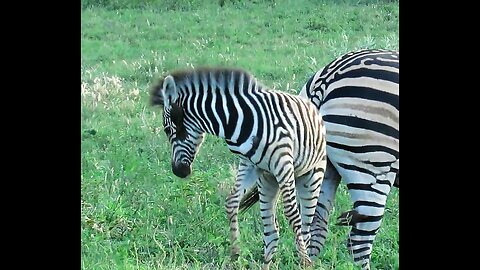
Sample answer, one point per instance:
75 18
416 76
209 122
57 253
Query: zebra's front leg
286 181
268 194
326 199
246 179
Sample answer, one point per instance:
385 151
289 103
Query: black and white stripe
358 96
279 137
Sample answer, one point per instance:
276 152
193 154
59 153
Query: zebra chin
181 169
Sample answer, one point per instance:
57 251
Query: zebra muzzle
181 169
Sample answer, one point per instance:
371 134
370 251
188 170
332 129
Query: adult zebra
279 137
358 97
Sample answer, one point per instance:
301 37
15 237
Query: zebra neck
231 114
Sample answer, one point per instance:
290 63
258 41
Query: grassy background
135 214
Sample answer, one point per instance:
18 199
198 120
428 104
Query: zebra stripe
358 96
279 137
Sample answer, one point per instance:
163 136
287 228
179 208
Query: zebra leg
286 181
247 176
268 194
308 189
319 228
369 206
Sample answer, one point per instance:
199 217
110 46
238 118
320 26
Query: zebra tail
249 199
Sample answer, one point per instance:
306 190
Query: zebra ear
169 91
156 96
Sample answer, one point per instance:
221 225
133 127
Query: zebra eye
168 131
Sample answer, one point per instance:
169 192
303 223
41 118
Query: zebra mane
185 75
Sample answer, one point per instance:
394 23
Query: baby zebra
279 137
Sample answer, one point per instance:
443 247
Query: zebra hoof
306 263
265 266
350 218
235 254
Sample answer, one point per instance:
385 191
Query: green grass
135 213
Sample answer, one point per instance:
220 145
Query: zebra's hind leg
369 206
247 176
319 228
268 194
308 189
286 182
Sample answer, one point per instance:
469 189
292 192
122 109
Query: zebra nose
181 169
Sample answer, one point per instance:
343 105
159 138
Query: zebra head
184 137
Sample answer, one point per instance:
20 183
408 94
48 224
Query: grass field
135 214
